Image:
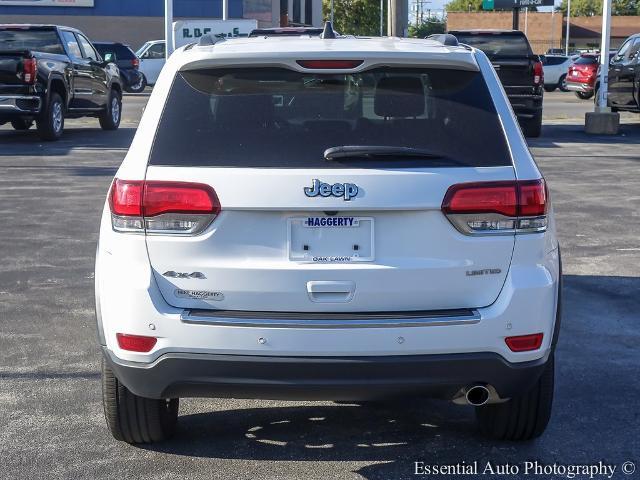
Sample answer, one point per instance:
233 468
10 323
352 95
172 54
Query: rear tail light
136 343
524 343
538 73
135 63
486 208
158 207
29 70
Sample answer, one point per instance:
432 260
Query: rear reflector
524 343
135 343
497 207
160 207
330 64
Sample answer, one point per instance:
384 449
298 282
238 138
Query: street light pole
168 27
566 47
332 12
381 18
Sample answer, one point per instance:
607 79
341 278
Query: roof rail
208 40
445 39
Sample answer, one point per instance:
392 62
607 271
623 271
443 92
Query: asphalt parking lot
51 423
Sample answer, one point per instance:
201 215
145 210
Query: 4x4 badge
345 190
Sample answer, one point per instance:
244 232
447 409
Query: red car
582 75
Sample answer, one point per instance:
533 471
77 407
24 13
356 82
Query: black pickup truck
49 73
519 70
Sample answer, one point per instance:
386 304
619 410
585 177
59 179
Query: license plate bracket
330 239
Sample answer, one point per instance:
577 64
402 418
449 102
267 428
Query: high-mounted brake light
136 343
538 73
330 64
497 207
159 207
29 70
524 343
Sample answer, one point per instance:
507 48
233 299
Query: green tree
589 8
428 27
356 17
464 6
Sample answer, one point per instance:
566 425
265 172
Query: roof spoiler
445 39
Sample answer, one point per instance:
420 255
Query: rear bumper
525 104
12 106
322 378
130 76
579 87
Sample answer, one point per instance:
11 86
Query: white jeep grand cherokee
328 218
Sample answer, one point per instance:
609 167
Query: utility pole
398 18
552 27
566 47
168 27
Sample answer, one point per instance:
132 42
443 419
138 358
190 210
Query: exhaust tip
477 395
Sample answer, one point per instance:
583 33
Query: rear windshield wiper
371 151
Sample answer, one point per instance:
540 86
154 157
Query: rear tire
521 418
110 118
584 95
139 87
20 124
51 121
562 84
532 127
135 419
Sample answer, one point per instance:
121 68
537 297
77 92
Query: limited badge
199 295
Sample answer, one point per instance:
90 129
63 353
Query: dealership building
135 21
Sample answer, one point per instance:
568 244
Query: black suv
128 63
624 76
49 73
520 71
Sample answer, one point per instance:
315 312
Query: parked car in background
520 71
49 73
152 56
555 69
624 76
128 63
583 74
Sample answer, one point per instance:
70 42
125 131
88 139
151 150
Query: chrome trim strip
436 321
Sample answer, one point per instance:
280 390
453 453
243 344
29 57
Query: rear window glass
553 60
122 52
586 61
270 117
46 41
497 45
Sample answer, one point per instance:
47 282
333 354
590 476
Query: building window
308 12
